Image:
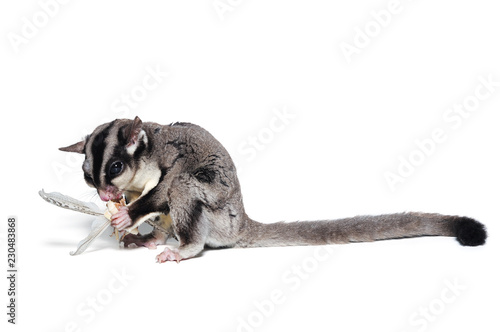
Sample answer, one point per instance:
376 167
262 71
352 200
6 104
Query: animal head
111 154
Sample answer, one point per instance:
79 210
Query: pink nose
106 195
109 193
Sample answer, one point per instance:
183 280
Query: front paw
121 219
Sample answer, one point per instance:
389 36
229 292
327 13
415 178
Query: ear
134 134
77 147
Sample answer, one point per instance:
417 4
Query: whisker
90 196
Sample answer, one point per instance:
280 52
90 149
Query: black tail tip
469 232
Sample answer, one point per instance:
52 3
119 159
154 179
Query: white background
230 72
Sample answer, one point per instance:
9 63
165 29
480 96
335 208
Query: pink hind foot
169 255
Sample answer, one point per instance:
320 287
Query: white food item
99 225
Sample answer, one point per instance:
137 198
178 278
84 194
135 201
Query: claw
121 219
169 255
150 245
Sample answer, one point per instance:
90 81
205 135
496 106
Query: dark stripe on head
97 149
140 149
119 154
122 139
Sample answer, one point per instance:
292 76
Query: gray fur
200 190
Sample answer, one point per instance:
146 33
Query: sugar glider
181 170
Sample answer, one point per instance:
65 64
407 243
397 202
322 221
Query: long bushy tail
468 232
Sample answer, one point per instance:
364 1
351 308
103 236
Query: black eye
116 168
